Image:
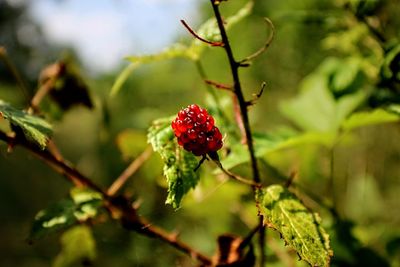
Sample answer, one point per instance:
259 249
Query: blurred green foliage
329 114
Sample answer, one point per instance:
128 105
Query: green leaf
78 248
34 128
299 227
178 163
82 205
315 108
366 118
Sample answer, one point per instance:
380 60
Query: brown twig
199 37
129 171
128 214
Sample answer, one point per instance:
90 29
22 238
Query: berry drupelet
196 131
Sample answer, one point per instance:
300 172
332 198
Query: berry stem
236 177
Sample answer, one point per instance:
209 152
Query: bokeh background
97 35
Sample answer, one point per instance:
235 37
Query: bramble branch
120 205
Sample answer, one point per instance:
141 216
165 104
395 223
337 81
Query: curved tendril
245 62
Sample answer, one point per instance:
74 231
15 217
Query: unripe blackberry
196 131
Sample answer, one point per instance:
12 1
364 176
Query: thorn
256 96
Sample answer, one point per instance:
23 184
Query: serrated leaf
82 205
78 247
299 227
366 118
179 164
34 128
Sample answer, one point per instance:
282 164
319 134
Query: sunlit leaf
34 128
315 108
299 227
366 118
179 164
82 205
78 248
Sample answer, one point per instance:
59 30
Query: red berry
196 131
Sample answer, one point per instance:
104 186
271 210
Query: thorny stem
128 213
234 65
